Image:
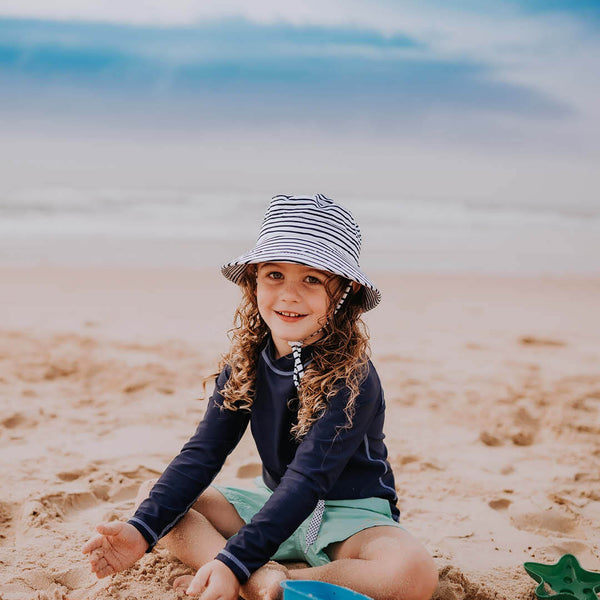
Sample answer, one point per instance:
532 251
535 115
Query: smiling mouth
289 316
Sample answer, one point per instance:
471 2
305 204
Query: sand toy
566 579
318 590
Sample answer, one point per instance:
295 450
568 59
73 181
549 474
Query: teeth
289 314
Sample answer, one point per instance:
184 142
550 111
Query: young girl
298 372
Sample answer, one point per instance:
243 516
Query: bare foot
265 583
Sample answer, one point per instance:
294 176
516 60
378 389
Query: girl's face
293 301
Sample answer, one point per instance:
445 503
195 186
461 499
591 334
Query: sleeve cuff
146 532
239 569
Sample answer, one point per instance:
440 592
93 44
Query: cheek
320 305
262 299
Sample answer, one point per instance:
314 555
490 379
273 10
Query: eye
275 275
312 280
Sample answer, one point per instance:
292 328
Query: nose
290 291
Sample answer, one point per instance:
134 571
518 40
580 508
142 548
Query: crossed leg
212 519
385 563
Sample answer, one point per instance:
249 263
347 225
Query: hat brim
314 254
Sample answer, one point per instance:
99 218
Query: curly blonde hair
339 357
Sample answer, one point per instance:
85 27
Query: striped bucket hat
308 230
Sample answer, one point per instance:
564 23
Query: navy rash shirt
332 462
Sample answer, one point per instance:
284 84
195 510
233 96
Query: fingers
209 584
198 584
98 560
92 544
111 528
183 581
105 572
214 581
99 565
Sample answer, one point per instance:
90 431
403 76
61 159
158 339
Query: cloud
349 71
326 12
488 70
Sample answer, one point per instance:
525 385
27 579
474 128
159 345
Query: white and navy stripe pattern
297 346
317 232
313 231
317 516
298 367
314 524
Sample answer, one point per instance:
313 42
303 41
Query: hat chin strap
317 516
297 346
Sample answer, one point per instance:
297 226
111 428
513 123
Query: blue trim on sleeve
232 562
149 533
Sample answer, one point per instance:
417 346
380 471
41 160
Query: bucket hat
309 230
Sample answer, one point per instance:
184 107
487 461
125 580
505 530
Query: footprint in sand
54 585
108 482
75 578
40 512
552 521
103 486
115 488
584 552
521 429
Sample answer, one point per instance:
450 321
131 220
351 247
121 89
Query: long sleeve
193 469
318 462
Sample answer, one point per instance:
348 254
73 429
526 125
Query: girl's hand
214 580
118 546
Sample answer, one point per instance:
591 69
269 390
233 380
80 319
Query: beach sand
493 418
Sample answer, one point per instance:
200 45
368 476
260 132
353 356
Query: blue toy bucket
317 590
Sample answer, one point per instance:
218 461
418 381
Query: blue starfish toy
566 578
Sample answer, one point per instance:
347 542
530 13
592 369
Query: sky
492 101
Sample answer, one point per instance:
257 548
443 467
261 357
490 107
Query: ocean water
186 227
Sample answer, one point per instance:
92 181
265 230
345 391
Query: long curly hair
339 357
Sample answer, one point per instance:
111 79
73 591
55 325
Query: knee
422 575
144 491
415 577
209 501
